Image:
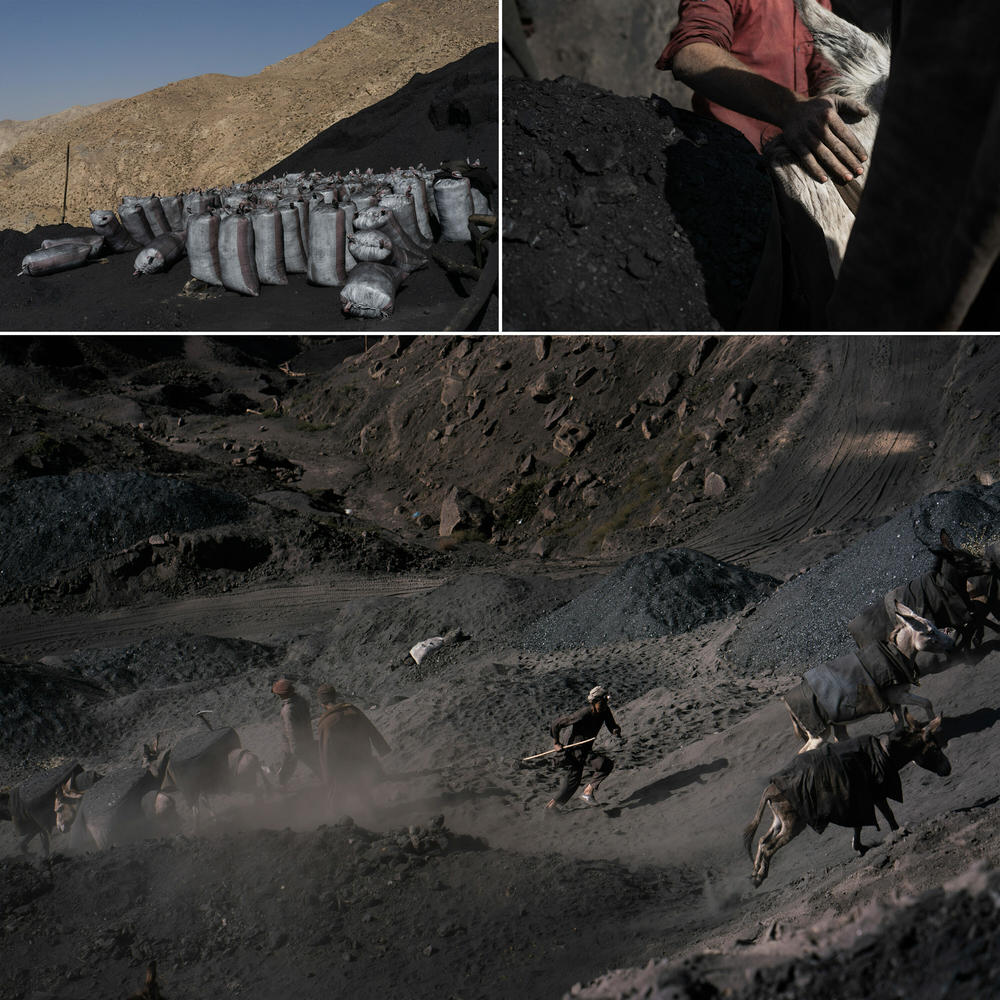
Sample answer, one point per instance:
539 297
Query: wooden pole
66 186
545 753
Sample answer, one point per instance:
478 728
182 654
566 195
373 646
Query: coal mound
623 213
55 522
664 592
805 622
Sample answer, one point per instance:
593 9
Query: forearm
721 77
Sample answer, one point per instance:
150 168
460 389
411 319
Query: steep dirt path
856 445
254 614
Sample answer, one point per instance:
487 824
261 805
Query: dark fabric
840 783
583 724
600 766
767 36
924 250
887 664
804 705
346 740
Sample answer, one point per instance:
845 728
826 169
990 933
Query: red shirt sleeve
700 21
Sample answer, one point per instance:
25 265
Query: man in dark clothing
584 724
296 731
346 740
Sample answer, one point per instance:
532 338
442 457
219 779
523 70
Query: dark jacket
585 723
296 724
346 739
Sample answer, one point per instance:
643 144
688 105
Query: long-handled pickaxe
568 746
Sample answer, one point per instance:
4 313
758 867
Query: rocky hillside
214 129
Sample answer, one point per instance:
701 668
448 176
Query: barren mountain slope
214 129
12 132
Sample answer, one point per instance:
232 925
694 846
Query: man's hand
822 140
557 745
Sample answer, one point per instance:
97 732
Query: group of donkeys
100 810
917 629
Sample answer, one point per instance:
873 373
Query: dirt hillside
214 129
185 519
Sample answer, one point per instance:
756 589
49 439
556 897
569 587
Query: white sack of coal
236 255
453 196
370 244
53 259
327 246
405 253
202 241
173 209
155 215
410 182
94 244
302 207
198 202
401 206
419 652
134 220
363 201
269 246
350 210
370 291
160 255
295 250
107 224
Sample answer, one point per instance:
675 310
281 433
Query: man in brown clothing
296 731
584 724
346 740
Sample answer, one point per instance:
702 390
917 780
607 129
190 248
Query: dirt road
255 614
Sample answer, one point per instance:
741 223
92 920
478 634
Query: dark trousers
599 765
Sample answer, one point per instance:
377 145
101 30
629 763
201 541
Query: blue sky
58 53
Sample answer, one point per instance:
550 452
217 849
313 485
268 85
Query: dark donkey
944 594
842 783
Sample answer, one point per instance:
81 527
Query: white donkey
873 679
862 63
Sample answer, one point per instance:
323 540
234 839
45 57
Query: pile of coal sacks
361 232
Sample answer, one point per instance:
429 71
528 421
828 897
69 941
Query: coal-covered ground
625 213
449 114
459 883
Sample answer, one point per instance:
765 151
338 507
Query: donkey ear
911 723
934 725
69 792
907 614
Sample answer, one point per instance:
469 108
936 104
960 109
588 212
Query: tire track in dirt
862 433
257 615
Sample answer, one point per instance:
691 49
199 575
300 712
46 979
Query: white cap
596 692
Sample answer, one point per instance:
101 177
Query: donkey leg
786 827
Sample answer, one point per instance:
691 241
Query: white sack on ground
134 220
161 254
107 224
94 244
202 240
236 255
155 215
269 247
454 202
295 250
370 291
327 245
53 259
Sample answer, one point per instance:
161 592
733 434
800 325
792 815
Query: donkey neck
904 639
899 747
